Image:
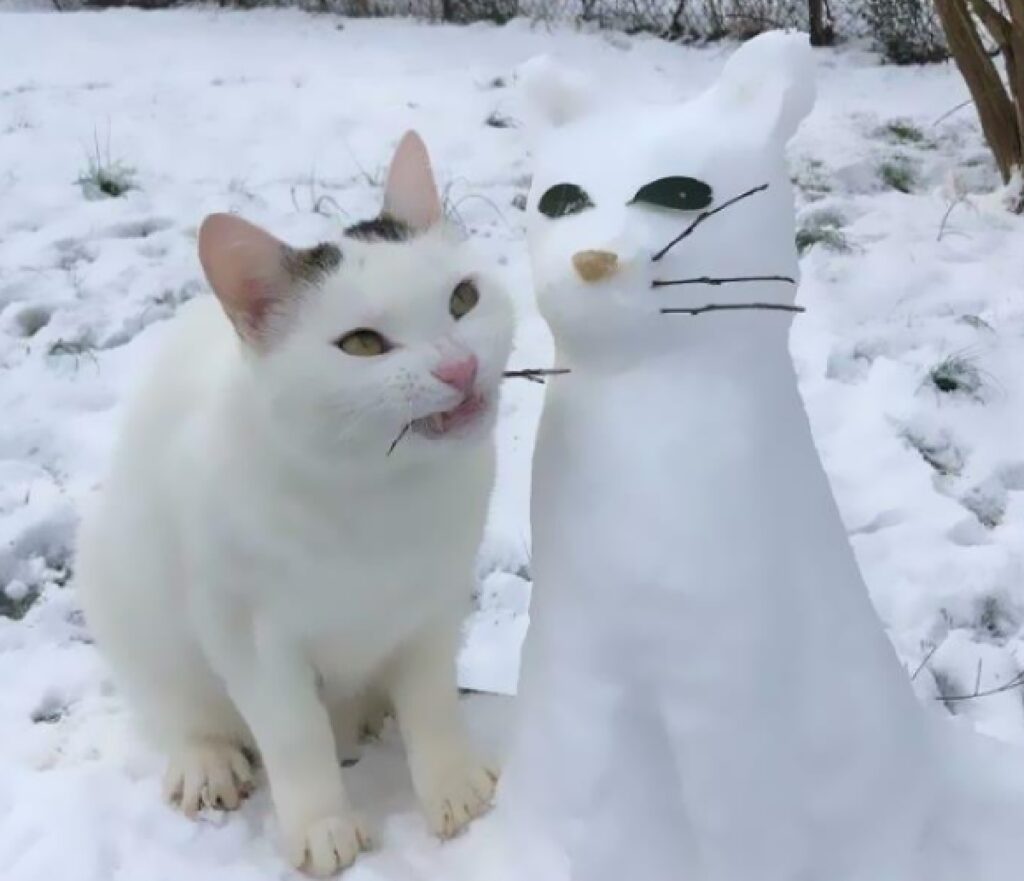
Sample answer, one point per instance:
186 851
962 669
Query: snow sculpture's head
626 200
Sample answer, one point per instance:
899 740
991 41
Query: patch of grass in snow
977 322
957 375
822 228
308 195
496 119
998 619
450 204
105 177
902 131
50 711
811 177
987 502
898 173
16 599
76 349
32 319
943 455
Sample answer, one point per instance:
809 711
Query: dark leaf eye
363 343
464 299
564 199
677 193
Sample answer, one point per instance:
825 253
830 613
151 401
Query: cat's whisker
705 215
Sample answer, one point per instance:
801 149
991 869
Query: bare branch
924 661
995 22
1016 682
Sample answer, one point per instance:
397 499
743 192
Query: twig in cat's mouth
401 434
704 215
716 282
535 374
722 307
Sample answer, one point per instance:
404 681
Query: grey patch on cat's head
383 228
310 265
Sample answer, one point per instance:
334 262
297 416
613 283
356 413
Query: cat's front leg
275 688
452 784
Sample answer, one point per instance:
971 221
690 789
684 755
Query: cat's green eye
561 200
464 299
363 343
676 193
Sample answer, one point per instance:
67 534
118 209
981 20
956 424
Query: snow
274 114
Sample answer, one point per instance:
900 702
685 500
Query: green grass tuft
903 131
898 173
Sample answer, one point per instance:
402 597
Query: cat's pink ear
410 194
245 266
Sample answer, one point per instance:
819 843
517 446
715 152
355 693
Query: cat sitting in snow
707 691
285 546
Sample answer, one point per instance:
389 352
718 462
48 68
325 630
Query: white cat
267 566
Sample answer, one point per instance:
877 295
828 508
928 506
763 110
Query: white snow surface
280 115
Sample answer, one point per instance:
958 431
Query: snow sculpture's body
707 693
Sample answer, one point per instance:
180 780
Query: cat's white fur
260 571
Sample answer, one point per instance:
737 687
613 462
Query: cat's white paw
208 774
457 797
329 845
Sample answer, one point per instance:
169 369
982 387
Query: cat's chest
318 558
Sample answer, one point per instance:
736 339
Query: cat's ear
769 82
410 194
555 94
247 269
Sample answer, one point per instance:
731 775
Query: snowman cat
707 691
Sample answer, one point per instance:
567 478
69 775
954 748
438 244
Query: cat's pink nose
460 374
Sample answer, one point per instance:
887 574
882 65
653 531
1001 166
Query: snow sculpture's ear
554 93
255 276
410 194
770 81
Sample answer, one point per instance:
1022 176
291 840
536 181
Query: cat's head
398 330
615 190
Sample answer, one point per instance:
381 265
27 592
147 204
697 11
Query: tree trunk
997 112
822 33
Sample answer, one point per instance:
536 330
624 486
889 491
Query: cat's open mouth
447 421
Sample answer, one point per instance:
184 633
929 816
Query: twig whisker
535 374
724 307
704 215
718 281
401 434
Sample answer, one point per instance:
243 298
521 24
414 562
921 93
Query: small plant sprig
105 177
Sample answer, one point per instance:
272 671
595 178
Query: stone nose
595 265
459 373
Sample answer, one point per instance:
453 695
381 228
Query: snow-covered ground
911 356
